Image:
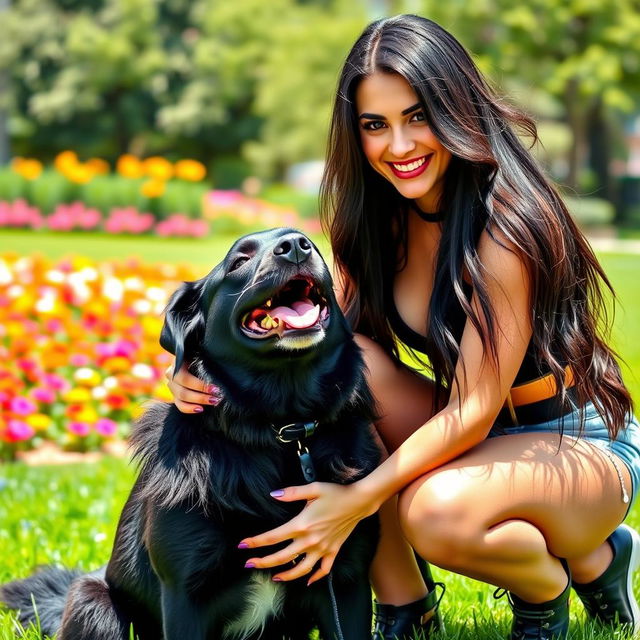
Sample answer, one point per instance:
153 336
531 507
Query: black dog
265 325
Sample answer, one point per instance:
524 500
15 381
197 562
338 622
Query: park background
138 138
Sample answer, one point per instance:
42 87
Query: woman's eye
418 116
237 263
373 125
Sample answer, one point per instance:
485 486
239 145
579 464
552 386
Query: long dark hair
492 183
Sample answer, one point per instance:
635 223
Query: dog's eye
237 263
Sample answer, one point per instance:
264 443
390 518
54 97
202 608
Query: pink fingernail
198 409
212 389
243 545
278 493
276 579
249 565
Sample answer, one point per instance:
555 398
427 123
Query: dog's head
269 303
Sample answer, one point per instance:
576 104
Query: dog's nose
294 248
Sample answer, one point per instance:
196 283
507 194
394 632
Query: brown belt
536 390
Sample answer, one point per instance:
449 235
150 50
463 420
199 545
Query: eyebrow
375 116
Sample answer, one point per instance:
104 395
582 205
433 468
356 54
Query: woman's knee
435 518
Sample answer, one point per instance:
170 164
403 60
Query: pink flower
22 406
44 395
79 359
17 431
81 429
55 382
106 427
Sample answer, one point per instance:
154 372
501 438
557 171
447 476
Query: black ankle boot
404 622
543 621
609 599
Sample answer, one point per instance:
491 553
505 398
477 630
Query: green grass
67 515
203 252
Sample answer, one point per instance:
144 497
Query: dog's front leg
182 619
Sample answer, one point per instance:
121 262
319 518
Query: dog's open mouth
298 306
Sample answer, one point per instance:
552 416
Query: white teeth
405 168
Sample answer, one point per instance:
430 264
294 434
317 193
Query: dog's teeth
268 322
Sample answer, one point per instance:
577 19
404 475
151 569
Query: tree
586 53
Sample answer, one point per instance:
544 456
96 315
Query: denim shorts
626 447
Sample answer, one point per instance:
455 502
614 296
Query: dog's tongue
300 315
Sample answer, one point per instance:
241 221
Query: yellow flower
80 173
153 188
65 161
39 421
191 170
158 168
129 166
161 392
86 414
28 168
77 395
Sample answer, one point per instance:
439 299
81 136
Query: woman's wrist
372 494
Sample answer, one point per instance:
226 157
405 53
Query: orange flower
153 188
116 364
158 168
98 166
191 170
129 166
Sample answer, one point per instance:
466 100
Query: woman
516 461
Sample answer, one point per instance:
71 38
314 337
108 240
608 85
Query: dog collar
297 432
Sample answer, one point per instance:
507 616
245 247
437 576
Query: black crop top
529 369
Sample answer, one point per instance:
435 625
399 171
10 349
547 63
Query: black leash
297 432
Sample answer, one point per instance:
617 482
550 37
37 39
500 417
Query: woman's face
397 141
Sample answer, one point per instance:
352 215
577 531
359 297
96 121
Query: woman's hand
318 531
191 393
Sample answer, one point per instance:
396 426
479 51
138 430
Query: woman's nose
401 144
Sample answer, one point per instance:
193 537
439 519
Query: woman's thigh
404 399
567 489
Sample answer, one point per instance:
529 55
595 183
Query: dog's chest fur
263 599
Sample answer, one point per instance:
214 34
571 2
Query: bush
590 212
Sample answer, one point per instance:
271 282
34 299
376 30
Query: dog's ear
184 321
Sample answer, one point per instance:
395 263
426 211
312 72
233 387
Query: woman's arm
475 400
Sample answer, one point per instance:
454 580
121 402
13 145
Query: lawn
68 514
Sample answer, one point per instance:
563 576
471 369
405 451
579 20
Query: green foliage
304 203
103 192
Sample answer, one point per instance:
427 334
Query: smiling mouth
298 306
411 168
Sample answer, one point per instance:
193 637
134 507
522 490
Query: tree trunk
577 121
599 140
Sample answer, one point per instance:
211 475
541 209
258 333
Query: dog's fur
175 571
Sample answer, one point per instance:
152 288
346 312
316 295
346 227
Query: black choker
438 216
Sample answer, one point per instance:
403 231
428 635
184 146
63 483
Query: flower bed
136 196
79 351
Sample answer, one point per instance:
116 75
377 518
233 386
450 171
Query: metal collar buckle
295 431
